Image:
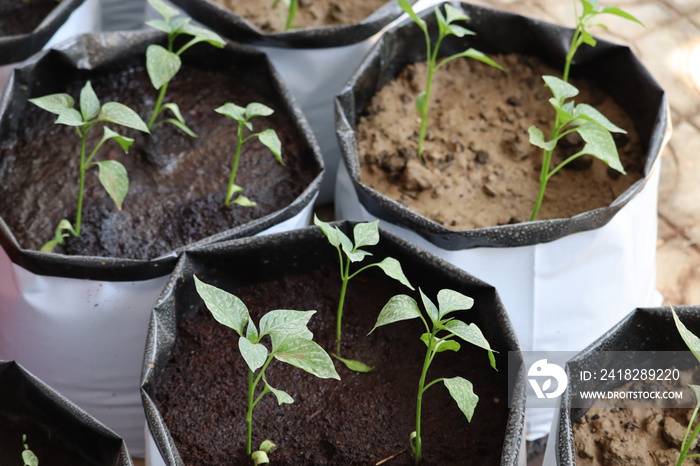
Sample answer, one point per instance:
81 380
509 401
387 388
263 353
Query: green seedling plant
267 137
693 344
28 456
164 63
592 126
292 9
350 251
291 343
111 174
445 28
441 334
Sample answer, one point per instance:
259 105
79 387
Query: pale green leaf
54 103
113 177
120 114
600 144
180 125
161 25
333 234
462 392
430 307
393 269
590 7
450 301
201 34
243 201
561 90
588 39
443 27
254 354
282 396
475 54
161 64
59 235
440 345
233 111
690 339
537 139
270 140
696 392
226 308
354 256
469 333
408 8
165 10
354 365
123 141
366 234
251 332
453 14
304 354
460 31
89 103
29 458
589 113
289 322
612 10
70 117
399 307
256 109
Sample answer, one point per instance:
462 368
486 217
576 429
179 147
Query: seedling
364 234
693 344
440 336
267 137
593 128
445 28
291 343
163 63
28 456
292 8
112 174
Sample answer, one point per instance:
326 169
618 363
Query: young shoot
590 11
267 137
292 8
441 334
111 174
445 28
163 63
364 234
28 456
291 343
691 435
589 123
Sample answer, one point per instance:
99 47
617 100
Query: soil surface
49 447
311 13
23 16
480 169
177 183
635 436
359 420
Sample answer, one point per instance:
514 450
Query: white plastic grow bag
559 295
65 345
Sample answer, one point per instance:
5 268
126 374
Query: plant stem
157 108
234 167
341 303
429 354
249 415
688 440
81 182
544 172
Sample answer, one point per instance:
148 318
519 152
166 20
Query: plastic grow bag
563 279
80 322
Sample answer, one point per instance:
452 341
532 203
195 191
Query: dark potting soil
361 419
23 16
177 183
46 444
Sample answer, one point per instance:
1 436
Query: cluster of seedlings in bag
162 64
291 341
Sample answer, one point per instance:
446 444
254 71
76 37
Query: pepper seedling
693 344
28 456
111 174
163 63
592 126
292 8
445 28
364 234
440 335
291 343
267 137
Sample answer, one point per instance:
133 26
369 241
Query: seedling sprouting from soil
445 28
292 8
441 335
291 342
364 234
28 456
163 63
267 137
693 344
112 174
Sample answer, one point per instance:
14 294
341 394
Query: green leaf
70 117
460 31
89 103
201 34
29 458
453 14
561 90
537 139
270 140
180 125
591 114
366 234
430 307
226 308
354 365
393 269
443 27
600 144
588 39
696 392
256 109
120 114
612 10
282 396
251 332
462 392
440 345
161 64
408 8
590 7
475 54
305 354
469 333
59 235
244 202
690 339
161 25
233 111
334 235
450 301
284 321
54 103
123 141
166 11
399 307
113 177
254 354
